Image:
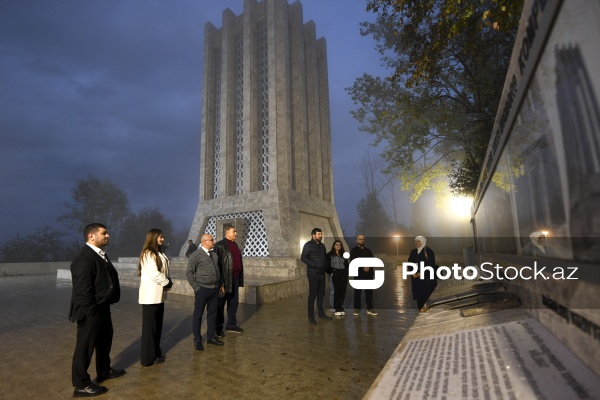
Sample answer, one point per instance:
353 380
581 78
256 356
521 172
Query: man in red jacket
232 271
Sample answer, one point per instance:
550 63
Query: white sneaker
343 312
332 309
355 312
339 313
372 312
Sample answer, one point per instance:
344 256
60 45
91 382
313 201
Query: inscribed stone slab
514 360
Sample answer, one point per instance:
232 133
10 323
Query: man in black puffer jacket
314 255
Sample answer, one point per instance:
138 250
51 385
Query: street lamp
397 239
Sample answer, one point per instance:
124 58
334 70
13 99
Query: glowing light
460 206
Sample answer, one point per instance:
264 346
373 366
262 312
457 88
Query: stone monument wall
542 173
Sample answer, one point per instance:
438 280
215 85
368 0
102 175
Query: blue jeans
331 291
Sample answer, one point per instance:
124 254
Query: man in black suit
204 277
95 288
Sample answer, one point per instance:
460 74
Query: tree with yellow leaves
435 111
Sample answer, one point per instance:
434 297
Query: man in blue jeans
314 255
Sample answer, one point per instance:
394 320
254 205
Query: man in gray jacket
204 277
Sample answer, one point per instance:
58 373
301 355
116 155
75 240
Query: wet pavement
280 355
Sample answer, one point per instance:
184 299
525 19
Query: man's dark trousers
205 297
368 296
94 332
316 289
233 301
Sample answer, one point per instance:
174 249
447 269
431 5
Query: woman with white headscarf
537 246
422 286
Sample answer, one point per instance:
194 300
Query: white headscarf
534 239
423 243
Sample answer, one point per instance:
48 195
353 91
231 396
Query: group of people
319 262
214 271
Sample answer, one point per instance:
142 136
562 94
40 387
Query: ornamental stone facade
266 136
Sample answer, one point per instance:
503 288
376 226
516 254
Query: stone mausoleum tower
266 136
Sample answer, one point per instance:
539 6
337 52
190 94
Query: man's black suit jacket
95 282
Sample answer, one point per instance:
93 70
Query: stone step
255 266
257 289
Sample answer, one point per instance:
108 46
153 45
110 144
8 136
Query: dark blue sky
114 89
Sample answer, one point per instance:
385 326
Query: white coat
152 280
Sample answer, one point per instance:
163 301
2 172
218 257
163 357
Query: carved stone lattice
217 164
239 116
254 231
263 109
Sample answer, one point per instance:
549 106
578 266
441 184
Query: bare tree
373 220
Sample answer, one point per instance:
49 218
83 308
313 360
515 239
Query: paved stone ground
278 356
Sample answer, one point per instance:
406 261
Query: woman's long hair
332 251
151 245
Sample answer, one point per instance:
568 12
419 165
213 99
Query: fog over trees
92 200
435 111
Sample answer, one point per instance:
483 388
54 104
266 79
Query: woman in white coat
153 268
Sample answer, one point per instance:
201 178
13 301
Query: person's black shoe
235 329
220 333
312 321
215 341
114 373
157 360
198 346
89 391
325 316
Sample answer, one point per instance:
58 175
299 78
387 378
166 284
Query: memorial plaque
515 360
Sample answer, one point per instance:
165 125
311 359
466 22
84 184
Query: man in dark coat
191 248
314 255
232 271
360 251
95 288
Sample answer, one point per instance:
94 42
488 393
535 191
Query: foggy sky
114 89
